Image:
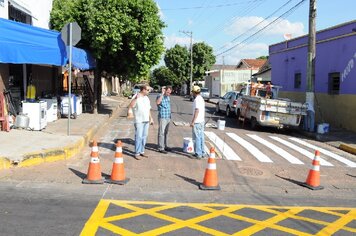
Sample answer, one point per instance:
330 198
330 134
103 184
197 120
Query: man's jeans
141 132
162 133
199 140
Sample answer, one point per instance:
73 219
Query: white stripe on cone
316 168
118 149
211 166
212 155
95 149
119 160
95 160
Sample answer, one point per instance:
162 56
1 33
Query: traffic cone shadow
210 181
313 178
94 170
118 170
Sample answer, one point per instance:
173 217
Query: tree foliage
124 36
203 59
262 57
177 60
164 76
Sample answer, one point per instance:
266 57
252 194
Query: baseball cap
196 89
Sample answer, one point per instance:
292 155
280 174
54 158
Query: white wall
39 9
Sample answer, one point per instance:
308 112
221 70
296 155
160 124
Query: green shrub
126 93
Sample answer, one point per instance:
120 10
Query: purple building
335 73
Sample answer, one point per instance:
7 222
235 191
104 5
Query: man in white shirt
141 107
198 123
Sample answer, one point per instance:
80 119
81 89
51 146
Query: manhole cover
250 171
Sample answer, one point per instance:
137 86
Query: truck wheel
228 111
238 114
253 123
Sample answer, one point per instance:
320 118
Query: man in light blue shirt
163 102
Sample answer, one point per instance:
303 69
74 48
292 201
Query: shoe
137 157
168 149
143 155
163 151
195 156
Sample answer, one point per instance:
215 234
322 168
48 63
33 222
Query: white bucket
188 145
221 124
323 128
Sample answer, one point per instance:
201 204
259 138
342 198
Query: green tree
203 59
164 76
262 57
125 36
177 60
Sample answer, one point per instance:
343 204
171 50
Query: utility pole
190 34
311 62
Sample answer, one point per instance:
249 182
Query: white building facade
33 12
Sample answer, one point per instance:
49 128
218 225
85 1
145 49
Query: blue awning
81 59
25 44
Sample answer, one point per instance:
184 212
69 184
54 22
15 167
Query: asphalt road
162 196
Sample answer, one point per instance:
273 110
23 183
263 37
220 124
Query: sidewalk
25 148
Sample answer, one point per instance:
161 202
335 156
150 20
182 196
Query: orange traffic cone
118 171
211 176
313 179
94 170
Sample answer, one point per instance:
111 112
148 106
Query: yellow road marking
98 218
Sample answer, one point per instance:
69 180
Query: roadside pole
70 79
71 35
190 34
311 60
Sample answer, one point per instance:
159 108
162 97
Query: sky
241 29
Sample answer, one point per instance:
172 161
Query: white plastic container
323 128
221 124
188 145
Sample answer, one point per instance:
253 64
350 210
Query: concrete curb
348 148
59 153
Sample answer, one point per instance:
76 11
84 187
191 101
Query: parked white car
204 92
228 103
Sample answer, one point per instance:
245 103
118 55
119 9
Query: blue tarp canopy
81 59
25 44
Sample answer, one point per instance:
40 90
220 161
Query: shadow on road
189 180
291 180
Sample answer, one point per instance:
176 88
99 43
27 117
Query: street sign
76 33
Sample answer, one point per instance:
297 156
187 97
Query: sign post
71 35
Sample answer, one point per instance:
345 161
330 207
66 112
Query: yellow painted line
338 224
4 163
98 218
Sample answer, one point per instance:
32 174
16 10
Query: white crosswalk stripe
222 146
249 147
326 152
292 159
300 150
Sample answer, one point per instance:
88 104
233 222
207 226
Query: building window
18 15
297 80
334 83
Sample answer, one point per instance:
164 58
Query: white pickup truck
269 110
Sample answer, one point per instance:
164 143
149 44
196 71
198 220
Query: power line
244 12
265 27
255 26
205 7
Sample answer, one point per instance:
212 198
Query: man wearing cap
163 102
198 122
